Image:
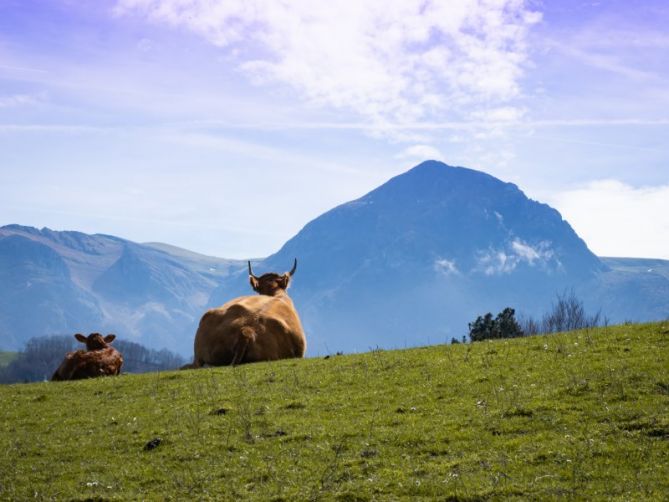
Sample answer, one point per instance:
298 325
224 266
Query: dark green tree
503 326
482 328
506 324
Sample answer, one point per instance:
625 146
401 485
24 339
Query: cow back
271 324
89 364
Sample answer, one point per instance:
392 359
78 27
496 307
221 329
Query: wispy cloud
475 127
607 62
446 267
20 69
221 142
617 219
16 100
614 37
388 61
53 128
420 153
626 41
517 252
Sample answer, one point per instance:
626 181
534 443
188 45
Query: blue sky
224 127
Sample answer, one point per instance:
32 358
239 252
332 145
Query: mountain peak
424 251
437 166
432 185
435 214
433 176
16 228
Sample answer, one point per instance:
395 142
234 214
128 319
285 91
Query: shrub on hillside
503 326
567 314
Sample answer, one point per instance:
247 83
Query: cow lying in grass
247 329
99 359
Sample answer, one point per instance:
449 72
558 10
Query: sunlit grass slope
582 415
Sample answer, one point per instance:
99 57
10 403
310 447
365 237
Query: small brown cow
247 329
99 359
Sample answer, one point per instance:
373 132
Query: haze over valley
410 263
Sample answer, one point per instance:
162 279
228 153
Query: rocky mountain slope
67 282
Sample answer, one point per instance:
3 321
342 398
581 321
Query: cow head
95 341
271 284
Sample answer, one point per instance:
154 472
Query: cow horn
292 271
250 270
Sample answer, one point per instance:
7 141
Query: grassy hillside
6 358
582 415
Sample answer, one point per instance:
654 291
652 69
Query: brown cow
99 359
252 328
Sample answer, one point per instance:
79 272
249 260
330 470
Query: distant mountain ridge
64 282
410 263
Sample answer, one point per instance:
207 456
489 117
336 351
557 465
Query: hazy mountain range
67 282
410 263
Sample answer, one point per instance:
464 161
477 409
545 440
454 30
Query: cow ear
109 338
284 280
80 337
254 282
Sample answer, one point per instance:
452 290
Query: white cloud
504 261
446 267
421 153
500 114
525 251
390 61
540 253
616 219
496 262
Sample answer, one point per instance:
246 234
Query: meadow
582 415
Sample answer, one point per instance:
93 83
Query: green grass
582 415
7 357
